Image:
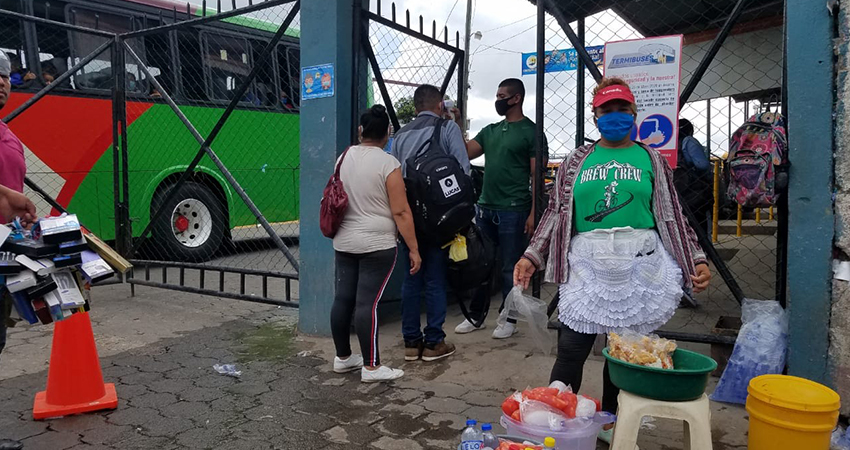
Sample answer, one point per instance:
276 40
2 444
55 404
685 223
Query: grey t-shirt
368 225
412 136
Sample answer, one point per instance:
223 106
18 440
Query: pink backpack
755 149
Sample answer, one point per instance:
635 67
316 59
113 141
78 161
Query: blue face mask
615 126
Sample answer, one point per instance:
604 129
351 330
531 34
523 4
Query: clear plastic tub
578 434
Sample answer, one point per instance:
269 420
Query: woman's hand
702 278
523 271
415 262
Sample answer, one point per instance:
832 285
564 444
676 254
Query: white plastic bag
523 307
760 349
540 414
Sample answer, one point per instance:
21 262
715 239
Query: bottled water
472 438
490 441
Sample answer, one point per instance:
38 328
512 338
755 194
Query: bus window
158 58
54 51
265 82
12 44
98 73
288 71
191 66
228 63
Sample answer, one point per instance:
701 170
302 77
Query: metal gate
403 55
204 111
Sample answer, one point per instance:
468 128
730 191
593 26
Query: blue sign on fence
561 60
317 81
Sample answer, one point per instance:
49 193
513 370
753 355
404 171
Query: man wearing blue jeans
505 212
430 282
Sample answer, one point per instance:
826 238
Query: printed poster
560 60
317 81
652 67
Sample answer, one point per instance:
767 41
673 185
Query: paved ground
159 348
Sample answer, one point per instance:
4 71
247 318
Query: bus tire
193 225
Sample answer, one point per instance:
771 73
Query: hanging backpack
439 192
756 149
334 203
476 271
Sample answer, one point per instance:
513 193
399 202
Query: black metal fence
732 68
188 157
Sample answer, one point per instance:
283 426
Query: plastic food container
790 412
579 434
684 383
517 439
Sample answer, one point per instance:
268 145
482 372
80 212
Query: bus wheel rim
191 223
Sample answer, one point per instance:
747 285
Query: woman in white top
366 245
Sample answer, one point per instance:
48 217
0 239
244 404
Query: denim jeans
507 230
2 320
429 282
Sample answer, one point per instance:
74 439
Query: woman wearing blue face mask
615 239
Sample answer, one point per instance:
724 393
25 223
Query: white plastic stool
695 414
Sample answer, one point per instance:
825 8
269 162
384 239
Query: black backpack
441 196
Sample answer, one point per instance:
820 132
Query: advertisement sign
317 82
560 60
652 67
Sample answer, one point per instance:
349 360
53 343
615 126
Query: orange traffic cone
74 380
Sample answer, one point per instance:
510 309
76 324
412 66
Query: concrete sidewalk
159 348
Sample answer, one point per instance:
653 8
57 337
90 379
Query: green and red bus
69 133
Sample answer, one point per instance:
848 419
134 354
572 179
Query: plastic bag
760 349
457 248
635 348
839 440
523 307
586 407
540 414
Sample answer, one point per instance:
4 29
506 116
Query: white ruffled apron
620 278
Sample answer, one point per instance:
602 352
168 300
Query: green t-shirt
509 147
614 189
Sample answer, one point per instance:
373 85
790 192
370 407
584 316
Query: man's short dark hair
515 86
426 97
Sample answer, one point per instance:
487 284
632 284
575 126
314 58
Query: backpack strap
434 142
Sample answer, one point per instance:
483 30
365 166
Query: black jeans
2 321
360 283
573 350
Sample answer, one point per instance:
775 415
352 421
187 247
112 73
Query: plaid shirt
551 241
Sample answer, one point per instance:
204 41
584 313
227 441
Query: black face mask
502 106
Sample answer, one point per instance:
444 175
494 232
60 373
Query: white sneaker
350 364
382 373
467 327
504 331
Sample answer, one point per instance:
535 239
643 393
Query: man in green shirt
505 208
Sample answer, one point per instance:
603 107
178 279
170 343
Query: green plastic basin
684 383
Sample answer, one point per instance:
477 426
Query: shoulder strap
434 141
341 159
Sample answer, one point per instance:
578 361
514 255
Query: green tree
405 110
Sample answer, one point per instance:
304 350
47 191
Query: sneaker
504 331
437 351
382 373
413 350
349 364
467 327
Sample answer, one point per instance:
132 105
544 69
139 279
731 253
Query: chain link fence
745 77
188 157
406 52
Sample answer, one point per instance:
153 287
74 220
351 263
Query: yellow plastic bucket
790 413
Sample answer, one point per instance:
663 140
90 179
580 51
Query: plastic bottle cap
549 442
471 423
486 427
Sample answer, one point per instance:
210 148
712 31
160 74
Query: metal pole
712 52
574 40
118 116
205 144
580 89
540 157
464 88
58 81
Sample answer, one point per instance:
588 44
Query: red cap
613 92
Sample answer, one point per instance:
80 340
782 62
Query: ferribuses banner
652 67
